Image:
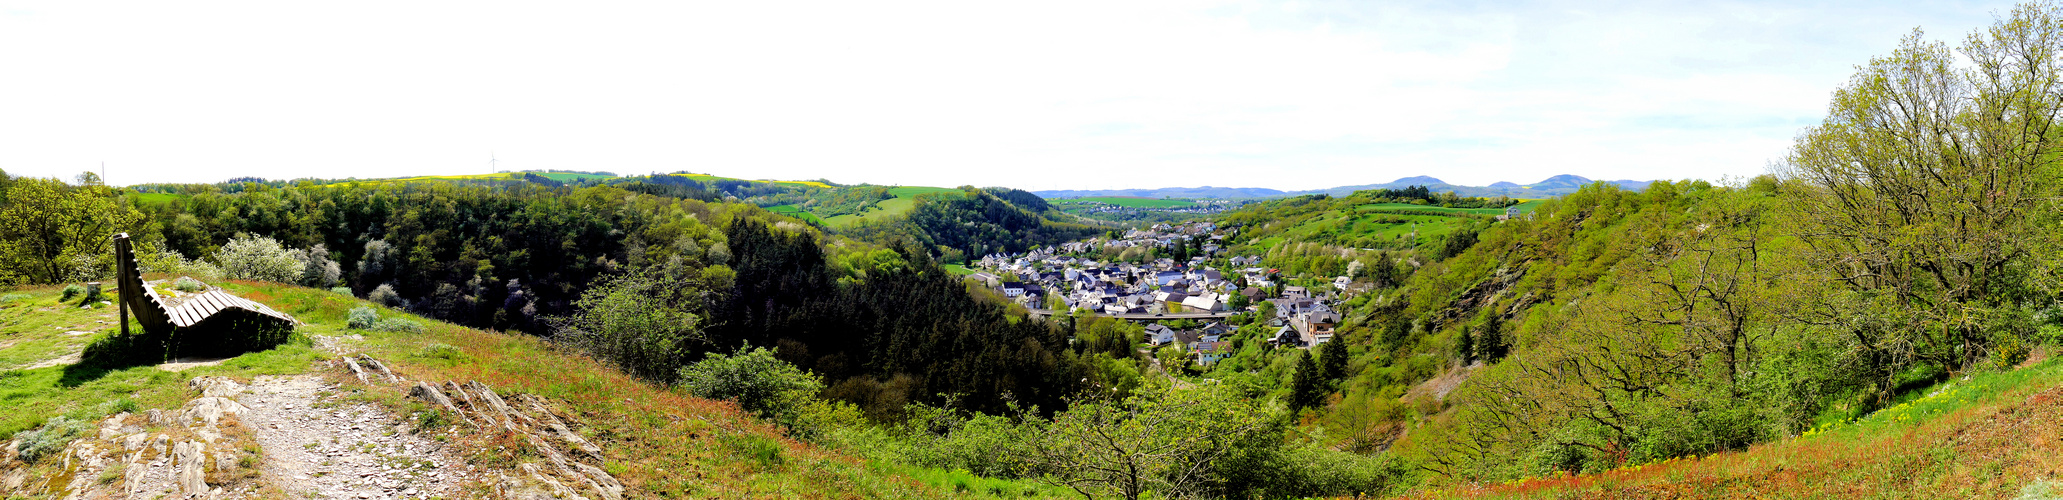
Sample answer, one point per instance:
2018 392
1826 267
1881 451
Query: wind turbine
493 165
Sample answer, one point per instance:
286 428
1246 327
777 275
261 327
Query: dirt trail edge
318 447
320 435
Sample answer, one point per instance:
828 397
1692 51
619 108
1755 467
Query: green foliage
51 232
12 298
49 439
1199 442
646 323
72 291
1307 389
172 262
1332 359
362 318
342 290
384 295
439 350
397 325
753 378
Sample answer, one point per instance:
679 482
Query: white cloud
1037 95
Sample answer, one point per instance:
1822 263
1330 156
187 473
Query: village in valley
1192 295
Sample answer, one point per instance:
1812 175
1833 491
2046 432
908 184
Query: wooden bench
212 315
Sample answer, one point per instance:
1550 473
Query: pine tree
1332 361
1304 389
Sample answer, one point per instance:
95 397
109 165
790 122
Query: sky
1053 94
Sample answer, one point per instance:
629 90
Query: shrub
12 297
342 290
759 383
49 439
123 405
397 325
384 295
361 318
317 270
171 262
187 284
441 351
259 258
644 323
72 291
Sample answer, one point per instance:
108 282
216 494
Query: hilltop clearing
339 421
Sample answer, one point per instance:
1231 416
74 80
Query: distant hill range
1553 186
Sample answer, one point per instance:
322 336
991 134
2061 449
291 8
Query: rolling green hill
905 198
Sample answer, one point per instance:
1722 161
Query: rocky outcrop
198 451
538 424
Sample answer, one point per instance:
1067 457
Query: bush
342 290
384 295
259 258
171 262
317 270
644 323
361 318
13 297
759 383
186 284
49 439
441 351
72 291
397 325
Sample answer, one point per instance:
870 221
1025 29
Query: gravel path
319 447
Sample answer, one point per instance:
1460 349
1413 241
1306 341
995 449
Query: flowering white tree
259 258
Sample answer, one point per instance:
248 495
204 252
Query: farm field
707 177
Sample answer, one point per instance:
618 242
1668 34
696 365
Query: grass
796 212
83 392
1990 435
1134 202
157 199
958 270
1430 209
38 328
659 441
665 443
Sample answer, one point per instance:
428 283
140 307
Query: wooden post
122 269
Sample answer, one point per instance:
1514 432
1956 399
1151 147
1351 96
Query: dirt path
317 446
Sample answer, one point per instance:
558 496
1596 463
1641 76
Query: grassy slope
905 199
1992 435
1430 208
660 442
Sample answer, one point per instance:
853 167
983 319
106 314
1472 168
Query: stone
189 463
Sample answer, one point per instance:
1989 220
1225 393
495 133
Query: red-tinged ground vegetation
2003 444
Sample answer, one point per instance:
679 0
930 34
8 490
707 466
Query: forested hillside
1907 241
